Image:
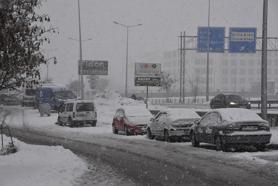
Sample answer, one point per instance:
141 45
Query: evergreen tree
22 33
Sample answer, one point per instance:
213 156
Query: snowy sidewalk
40 166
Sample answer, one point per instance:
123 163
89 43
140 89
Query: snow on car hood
181 114
135 120
184 122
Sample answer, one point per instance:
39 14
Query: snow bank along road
150 162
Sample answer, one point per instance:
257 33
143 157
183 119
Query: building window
242 71
242 80
234 71
242 62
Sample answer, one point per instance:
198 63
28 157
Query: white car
172 123
77 113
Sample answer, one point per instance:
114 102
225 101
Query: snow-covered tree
166 83
22 33
74 86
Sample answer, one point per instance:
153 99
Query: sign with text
147 81
242 40
93 67
147 74
147 69
211 39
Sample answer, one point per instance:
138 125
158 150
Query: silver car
172 124
77 113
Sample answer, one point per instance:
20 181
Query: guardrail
270 103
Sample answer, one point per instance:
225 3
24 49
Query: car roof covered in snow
181 113
238 115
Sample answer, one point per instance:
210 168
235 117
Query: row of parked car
224 127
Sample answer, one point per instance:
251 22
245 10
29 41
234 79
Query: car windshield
234 98
81 107
64 94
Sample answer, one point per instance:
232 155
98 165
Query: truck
53 95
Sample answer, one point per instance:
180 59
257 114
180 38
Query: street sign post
242 40
212 37
93 67
148 81
147 74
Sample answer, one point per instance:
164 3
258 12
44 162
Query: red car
131 120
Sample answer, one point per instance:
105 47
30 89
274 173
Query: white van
77 113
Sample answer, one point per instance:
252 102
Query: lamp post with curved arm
47 65
126 63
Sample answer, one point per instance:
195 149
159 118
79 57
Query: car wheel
149 134
261 147
194 141
59 122
166 136
94 123
219 144
126 131
70 122
115 131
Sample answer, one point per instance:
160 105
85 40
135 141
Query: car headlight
232 103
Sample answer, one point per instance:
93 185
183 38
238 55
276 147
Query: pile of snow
108 102
40 165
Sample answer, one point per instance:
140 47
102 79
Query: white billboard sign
147 69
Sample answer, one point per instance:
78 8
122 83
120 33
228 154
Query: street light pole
80 53
264 62
126 62
47 66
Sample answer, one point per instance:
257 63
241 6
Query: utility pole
264 62
180 100
80 52
208 49
183 69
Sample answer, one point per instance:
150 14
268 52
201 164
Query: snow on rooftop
239 114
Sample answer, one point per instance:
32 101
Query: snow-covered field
61 165
40 166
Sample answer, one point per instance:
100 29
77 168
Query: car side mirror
197 122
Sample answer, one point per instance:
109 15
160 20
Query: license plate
250 128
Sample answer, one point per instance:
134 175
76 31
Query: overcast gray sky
162 21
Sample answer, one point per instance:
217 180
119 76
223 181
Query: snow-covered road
155 162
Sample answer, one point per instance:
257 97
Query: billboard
147 74
93 67
212 38
242 40
148 69
147 81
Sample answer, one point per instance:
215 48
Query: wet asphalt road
123 161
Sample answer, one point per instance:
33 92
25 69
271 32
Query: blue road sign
215 40
242 40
